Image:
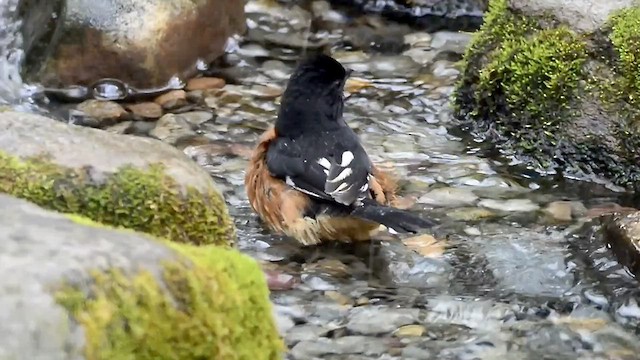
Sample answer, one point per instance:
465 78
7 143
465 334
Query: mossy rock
120 180
557 86
77 289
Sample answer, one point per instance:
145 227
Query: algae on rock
217 307
541 89
142 184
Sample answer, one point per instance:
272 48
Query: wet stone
369 346
449 197
203 83
171 128
172 99
146 110
305 332
99 114
380 320
512 205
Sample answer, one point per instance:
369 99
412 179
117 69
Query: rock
170 128
146 110
172 99
373 320
341 346
70 287
410 331
143 43
559 210
100 114
203 83
121 180
582 122
622 232
448 197
512 205
448 41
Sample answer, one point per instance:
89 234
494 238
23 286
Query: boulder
143 43
556 84
120 180
74 289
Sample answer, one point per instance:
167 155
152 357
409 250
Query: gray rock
28 135
347 345
90 161
449 41
143 43
39 249
305 333
448 197
512 205
372 320
170 128
582 15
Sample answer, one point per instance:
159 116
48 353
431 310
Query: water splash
13 90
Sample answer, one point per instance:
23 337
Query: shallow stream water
501 276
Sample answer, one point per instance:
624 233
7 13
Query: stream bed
503 275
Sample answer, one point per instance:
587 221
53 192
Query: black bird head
313 99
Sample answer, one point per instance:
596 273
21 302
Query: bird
309 176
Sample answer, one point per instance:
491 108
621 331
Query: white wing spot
347 158
392 231
326 172
364 187
343 175
289 181
340 188
324 163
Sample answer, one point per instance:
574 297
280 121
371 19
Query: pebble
99 113
559 210
197 118
410 331
203 83
448 197
172 99
512 205
146 110
456 42
171 128
305 332
375 320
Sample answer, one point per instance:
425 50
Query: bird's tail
396 220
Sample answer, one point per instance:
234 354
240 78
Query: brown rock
203 83
146 110
142 42
172 99
622 232
99 113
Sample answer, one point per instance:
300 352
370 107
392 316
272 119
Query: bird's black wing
330 166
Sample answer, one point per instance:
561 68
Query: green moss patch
215 306
144 200
625 37
557 99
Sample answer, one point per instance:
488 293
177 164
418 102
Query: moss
536 80
625 37
145 200
537 90
215 306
